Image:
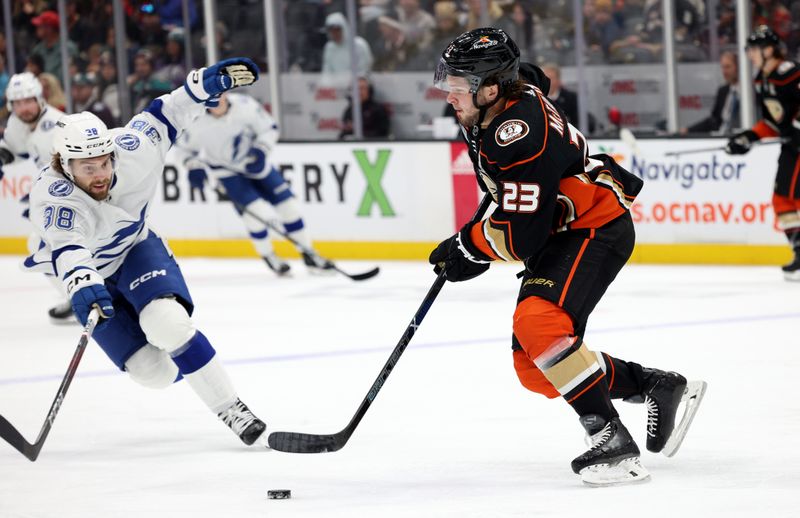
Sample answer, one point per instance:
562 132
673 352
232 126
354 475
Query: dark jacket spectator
724 115
375 118
85 98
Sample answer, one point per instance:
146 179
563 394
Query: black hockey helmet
478 55
763 36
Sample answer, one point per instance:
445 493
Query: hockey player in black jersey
777 87
565 213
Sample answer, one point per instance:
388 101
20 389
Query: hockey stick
293 442
13 437
763 142
275 228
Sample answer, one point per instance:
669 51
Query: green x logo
374 173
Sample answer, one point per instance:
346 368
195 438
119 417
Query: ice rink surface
452 433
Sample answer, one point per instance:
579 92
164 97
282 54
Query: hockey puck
279 494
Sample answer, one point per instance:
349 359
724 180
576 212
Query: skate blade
792 276
692 397
626 471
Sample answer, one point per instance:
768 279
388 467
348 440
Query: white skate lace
652 416
238 417
602 436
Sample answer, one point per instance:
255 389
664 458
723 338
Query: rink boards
396 200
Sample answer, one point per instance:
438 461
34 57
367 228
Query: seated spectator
145 87
49 46
173 68
52 91
34 64
418 25
394 51
774 15
4 77
448 28
724 115
602 29
476 18
107 84
517 23
336 54
565 99
374 117
85 98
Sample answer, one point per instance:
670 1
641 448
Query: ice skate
61 314
241 420
277 265
662 395
791 271
317 265
613 458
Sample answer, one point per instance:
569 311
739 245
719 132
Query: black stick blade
15 439
291 442
363 276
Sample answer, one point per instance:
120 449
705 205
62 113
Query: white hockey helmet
82 135
23 86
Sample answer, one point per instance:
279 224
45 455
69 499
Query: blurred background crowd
165 38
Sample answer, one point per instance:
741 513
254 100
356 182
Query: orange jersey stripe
574 267
763 130
479 240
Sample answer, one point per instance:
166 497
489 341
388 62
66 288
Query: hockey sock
289 212
575 372
793 235
624 379
198 364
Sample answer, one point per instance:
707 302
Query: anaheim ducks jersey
538 171
779 95
23 140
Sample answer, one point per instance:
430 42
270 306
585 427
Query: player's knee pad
255 214
152 368
166 324
538 323
531 377
545 332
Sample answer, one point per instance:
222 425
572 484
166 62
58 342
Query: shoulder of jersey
127 139
514 131
53 186
786 70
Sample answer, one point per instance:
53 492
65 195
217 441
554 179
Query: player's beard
97 189
467 120
30 118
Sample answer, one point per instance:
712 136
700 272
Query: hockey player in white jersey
90 207
29 135
233 142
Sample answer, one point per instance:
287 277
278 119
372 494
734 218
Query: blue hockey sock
194 355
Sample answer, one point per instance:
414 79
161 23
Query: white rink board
696 198
709 197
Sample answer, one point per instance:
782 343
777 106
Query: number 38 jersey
537 169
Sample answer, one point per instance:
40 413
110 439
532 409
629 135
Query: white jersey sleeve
14 137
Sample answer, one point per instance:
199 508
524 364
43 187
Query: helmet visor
450 79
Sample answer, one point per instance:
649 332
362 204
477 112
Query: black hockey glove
740 143
459 257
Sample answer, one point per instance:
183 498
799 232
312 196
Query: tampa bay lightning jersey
24 141
80 233
221 144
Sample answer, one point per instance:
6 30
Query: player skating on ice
90 207
778 91
233 142
566 215
29 135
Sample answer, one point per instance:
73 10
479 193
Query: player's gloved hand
197 178
740 143
256 161
208 83
88 297
459 258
